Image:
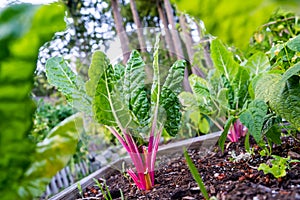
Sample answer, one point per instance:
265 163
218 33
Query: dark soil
223 176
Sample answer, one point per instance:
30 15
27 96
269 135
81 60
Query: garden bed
205 143
224 176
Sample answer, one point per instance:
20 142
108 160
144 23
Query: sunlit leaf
61 76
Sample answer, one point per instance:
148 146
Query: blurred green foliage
26 168
46 117
234 22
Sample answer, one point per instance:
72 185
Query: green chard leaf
109 104
223 60
134 88
264 86
253 118
282 92
230 92
95 70
199 86
61 76
169 100
201 91
240 85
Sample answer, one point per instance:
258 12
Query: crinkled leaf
258 63
230 91
264 85
294 44
287 101
52 154
134 88
71 85
169 99
283 97
273 134
223 60
109 105
253 118
199 86
271 128
240 87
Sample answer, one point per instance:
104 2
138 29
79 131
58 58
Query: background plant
46 117
222 95
217 97
234 18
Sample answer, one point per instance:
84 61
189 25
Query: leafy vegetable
258 63
224 93
282 96
253 118
52 154
120 101
127 108
61 76
279 166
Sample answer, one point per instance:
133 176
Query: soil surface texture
232 174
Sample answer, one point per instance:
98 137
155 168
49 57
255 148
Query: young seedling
80 190
106 194
196 174
279 166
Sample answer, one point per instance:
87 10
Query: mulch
232 174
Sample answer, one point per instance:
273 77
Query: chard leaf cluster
118 97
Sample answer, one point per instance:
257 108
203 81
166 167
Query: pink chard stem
136 158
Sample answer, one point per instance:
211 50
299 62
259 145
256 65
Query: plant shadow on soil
223 177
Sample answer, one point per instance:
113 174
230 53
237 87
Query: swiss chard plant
225 96
222 95
121 100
